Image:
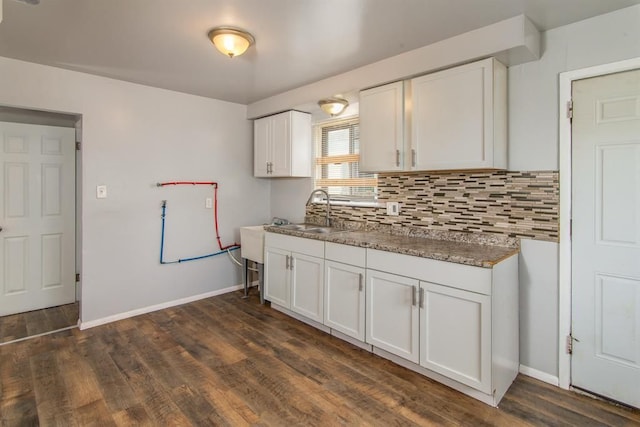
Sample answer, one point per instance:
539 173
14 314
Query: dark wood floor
229 361
37 322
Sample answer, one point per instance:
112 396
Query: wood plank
229 361
52 396
12 327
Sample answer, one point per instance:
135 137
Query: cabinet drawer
295 244
346 254
466 277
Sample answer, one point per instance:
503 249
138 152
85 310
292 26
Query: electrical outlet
208 203
101 192
393 208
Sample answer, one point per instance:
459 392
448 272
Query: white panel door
452 119
344 301
281 144
307 286
37 216
606 236
277 276
382 128
455 334
393 314
261 147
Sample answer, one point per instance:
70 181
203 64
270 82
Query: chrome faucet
310 199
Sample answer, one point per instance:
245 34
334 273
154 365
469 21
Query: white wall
133 137
533 145
533 86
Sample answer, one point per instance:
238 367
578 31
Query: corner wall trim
149 309
539 375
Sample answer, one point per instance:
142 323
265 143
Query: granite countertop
476 249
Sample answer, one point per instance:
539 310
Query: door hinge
77 277
570 340
570 228
570 109
78 146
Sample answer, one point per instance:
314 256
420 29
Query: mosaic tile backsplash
516 204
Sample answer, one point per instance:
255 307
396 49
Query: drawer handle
413 295
360 283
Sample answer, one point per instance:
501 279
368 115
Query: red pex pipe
215 206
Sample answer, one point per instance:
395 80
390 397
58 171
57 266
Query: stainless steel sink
311 228
299 227
324 230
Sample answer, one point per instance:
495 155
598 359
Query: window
337 158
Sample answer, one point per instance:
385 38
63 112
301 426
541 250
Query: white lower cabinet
455 334
307 286
344 301
455 323
277 275
393 314
344 289
294 274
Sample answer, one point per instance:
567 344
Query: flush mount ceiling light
231 41
333 106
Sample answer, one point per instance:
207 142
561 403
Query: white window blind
337 158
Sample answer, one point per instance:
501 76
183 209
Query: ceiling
163 43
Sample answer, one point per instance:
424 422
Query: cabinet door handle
397 157
287 266
421 297
360 283
413 157
413 295
291 263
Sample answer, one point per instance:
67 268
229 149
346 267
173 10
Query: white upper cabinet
459 118
282 145
382 128
452 119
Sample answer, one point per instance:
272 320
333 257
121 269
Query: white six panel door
37 216
606 236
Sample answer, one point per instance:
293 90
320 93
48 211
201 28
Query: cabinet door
281 144
261 147
344 299
393 314
307 286
455 337
382 128
277 277
452 119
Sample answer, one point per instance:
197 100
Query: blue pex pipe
162 261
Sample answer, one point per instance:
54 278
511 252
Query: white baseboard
149 309
539 375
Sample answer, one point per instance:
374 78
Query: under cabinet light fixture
231 41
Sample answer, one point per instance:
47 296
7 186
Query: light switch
101 192
208 203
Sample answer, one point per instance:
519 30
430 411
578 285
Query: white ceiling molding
513 41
